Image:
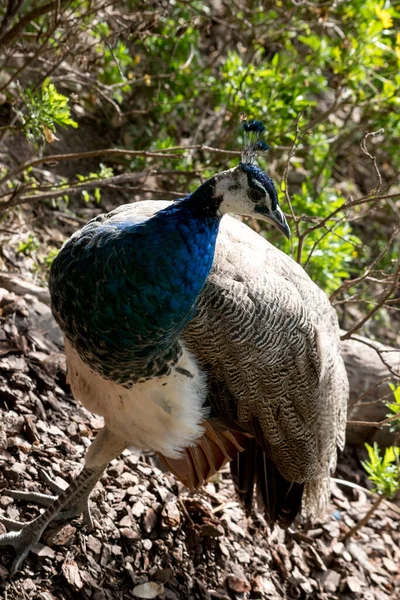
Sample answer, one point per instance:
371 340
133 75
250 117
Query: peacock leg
105 447
70 510
30 534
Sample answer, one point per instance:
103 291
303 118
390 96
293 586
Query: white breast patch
163 414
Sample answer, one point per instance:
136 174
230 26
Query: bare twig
315 245
364 149
347 284
33 14
385 296
19 199
380 352
359 400
377 424
284 183
56 158
16 74
350 204
364 520
13 8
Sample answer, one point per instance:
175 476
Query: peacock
197 339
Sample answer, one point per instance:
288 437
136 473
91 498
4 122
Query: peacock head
246 190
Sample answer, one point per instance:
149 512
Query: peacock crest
253 145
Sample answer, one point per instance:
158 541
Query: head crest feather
252 144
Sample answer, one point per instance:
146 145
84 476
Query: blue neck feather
123 292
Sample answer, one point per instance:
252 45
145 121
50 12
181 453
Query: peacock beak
276 218
279 220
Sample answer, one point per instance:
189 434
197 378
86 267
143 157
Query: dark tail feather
280 499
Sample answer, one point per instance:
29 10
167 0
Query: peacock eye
255 195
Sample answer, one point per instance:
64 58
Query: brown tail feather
213 450
250 468
280 499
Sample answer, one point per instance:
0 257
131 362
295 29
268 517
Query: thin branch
82 155
347 284
112 183
359 400
364 520
206 149
316 243
16 74
284 182
377 424
379 305
13 8
350 204
364 149
377 350
15 31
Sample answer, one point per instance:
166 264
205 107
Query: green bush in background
183 74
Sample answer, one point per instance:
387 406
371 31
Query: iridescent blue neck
123 291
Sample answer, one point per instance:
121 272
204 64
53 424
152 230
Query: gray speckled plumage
239 364
268 339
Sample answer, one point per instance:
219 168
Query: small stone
61 537
71 573
94 544
116 468
237 584
54 430
330 580
390 565
147 545
164 575
354 584
43 551
126 521
127 479
149 520
129 533
211 530
20 443
14 472
338 548
31 470
145 470
170 516
99 595
138 508
262 584
148 590
6 501
347 556
28 585
243 556
96 422
332 528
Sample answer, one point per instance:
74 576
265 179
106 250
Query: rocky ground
152 539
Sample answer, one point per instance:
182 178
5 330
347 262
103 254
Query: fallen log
370 367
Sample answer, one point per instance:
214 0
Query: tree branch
15 31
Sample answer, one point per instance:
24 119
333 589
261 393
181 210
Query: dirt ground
152 539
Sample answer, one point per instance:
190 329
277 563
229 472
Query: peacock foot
70 511
22 541
69 502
